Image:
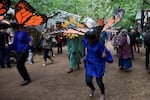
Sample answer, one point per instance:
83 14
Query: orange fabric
25 15
4 6
1 5
1 17
109 23
73 32
100 22
2 11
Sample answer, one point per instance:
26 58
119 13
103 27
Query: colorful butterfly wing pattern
4 6
115 18
25 15
36 20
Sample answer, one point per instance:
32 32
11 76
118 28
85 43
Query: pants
46 51
59 48
7 55
147 58
52 53
30 57
99 82
21 59
4 55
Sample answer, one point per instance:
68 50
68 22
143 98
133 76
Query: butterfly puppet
4 6
118 13
26 16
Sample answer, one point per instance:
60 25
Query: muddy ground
52 82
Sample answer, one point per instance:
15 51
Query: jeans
99 82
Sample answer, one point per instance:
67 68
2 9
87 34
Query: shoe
102 97
25 82
44 65
3 66
9 66
127 70
30 63
70 71
91 92
120 68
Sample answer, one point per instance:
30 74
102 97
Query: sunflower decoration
72 24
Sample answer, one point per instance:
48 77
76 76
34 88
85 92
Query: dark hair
91 34
94 32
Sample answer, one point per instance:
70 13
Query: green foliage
91 8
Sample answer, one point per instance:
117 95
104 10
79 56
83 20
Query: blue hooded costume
94 63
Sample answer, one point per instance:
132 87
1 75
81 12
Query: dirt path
53 83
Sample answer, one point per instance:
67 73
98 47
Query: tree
92 8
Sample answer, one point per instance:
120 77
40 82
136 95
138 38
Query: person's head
123 31
45 30
92 36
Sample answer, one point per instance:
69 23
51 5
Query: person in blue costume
94 61
21 45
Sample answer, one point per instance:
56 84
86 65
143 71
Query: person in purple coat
124 51
94 61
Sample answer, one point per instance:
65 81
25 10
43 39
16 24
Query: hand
30 43
6 45
103 55
82 60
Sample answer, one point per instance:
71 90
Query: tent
63 15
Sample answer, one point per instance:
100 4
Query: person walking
59 38
94 61
46 46
124 51
4 50
75 52
31 52
21 45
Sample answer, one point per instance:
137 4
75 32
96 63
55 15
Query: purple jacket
124 49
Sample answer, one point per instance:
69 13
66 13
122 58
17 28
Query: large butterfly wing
36 20
115 18
25 15
4 6
23 11
109 23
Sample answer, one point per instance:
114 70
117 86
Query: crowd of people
89 49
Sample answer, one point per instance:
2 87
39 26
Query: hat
123 31
91 34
